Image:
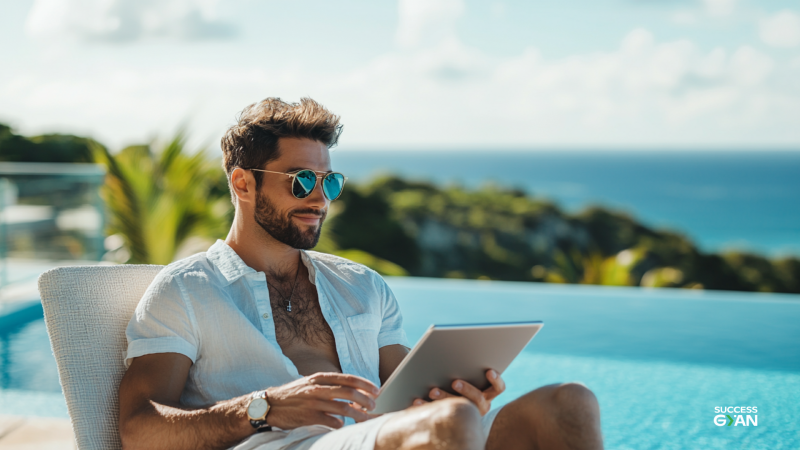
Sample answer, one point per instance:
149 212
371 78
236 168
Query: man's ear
244 185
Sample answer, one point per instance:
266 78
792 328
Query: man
260 344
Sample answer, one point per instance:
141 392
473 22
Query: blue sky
637 74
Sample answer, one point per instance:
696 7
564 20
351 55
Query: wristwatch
257 411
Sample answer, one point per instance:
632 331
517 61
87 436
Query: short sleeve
163 321
391 332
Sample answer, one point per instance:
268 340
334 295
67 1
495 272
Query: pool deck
35 433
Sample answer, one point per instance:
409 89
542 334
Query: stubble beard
279 225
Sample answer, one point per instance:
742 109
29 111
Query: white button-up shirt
215 309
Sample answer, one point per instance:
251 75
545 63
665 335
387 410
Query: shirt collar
310 265
228 262
231 266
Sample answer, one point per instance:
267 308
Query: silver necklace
288 302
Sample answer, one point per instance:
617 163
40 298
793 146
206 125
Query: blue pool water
659 361
722 200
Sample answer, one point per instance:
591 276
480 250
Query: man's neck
259 250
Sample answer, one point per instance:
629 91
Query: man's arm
390 357
151 416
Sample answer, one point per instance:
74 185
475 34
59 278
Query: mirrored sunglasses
304 181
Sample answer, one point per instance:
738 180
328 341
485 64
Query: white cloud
437 91
643 92
781 29
719 8
125 20
705 11
427 21
638 41
750 67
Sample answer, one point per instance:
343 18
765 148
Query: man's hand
312 400
481 399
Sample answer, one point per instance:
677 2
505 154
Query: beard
279 225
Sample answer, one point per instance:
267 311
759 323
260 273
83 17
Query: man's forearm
156 426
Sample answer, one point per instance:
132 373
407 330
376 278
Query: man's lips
308 219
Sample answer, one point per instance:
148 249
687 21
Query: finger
498 385
345 393
343 379
472 394
357 414
342 409
418 402
438 394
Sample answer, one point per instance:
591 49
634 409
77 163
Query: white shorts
360 436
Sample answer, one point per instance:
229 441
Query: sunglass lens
332 185
304 183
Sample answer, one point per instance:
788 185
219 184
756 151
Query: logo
735 415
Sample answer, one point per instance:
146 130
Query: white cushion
86 309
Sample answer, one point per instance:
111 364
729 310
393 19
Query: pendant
289 306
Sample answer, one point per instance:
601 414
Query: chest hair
305 323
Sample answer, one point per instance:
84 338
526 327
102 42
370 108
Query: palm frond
159 198
123 202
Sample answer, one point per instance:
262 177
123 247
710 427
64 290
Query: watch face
257 408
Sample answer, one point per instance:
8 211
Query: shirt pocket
365 328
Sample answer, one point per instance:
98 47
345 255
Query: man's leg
451 424
554 417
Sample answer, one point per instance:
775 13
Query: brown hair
253 141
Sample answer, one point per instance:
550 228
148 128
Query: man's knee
576 409
442 425
458 422
565 395
572 404
576 394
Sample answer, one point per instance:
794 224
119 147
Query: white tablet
449 352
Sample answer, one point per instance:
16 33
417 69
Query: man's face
290 220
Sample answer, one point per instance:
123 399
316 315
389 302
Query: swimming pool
659 361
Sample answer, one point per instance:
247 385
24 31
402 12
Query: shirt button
266 316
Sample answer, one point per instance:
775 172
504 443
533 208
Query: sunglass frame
316 177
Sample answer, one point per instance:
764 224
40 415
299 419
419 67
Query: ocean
736 200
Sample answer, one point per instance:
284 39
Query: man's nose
317 198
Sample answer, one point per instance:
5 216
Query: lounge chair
86 309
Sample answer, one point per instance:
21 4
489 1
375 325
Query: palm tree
157 199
